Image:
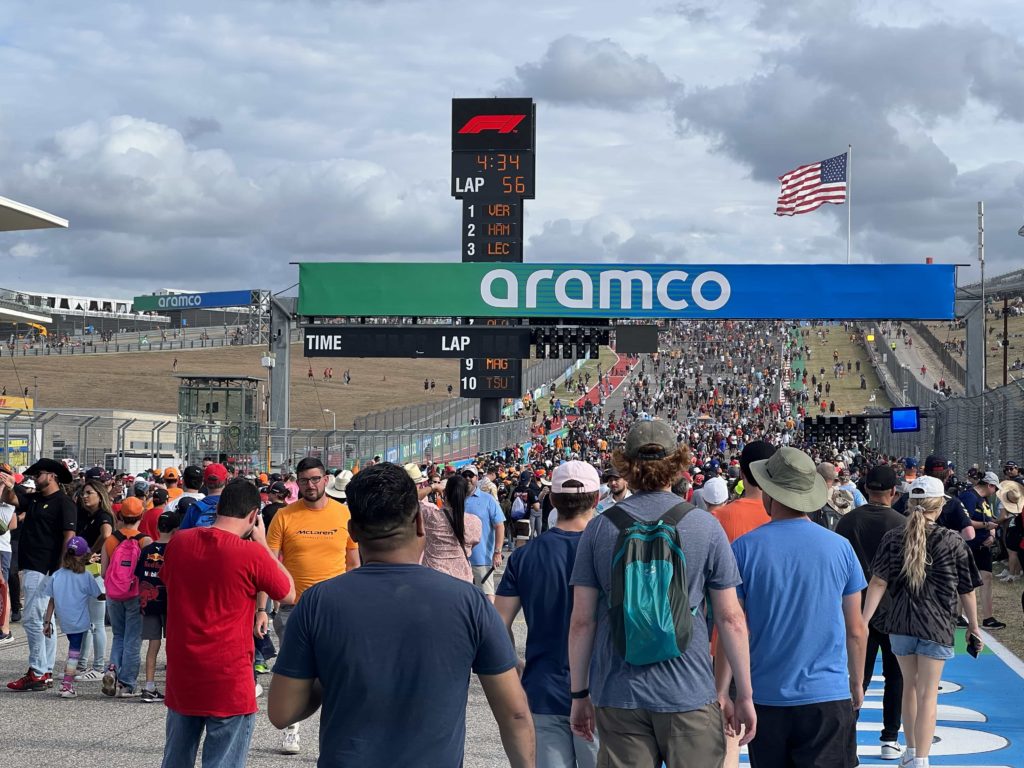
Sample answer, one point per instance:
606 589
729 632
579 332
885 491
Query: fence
142 344
951 363
986 430
344 448
135 442
457 410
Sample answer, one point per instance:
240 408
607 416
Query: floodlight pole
984 322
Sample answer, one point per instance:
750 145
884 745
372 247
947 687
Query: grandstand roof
15 216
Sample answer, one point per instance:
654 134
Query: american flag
809 187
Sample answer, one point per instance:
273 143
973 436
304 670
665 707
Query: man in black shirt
47 520
864 527
277 497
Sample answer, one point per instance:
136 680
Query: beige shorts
486 585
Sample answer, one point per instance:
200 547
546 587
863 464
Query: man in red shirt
212 576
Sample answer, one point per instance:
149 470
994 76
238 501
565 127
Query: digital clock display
493 175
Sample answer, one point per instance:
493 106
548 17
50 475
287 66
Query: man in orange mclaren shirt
311 538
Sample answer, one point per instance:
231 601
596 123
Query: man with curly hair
666 711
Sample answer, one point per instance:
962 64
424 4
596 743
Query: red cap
215 472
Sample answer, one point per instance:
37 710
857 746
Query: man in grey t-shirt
667 711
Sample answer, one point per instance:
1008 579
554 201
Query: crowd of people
694 575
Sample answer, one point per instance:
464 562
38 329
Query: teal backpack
649 604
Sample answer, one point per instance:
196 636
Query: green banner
754 291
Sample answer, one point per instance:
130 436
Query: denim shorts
905 645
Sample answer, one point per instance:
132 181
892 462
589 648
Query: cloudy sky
205 145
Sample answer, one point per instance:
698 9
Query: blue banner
192 301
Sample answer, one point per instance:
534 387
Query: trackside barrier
953 427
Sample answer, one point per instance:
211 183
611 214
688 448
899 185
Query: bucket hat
791 478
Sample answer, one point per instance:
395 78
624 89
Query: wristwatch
580 694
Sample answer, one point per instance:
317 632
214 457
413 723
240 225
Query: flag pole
849 200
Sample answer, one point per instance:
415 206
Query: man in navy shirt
975 501
537 580
953 516
387 649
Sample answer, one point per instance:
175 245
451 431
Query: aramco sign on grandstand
755 291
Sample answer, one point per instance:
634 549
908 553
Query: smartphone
974 645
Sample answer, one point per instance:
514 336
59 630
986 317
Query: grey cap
651 440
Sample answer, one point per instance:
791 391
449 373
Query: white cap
991 479
927 487
716 491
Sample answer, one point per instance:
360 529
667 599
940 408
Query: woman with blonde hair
923 568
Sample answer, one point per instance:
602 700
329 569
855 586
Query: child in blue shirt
69 590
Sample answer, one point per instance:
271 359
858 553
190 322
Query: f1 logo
499 123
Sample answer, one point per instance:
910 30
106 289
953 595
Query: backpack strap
119 536
675 515
619 517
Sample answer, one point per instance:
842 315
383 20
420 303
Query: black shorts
982 558
1014 536
809 736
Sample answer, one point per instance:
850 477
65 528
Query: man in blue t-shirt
537 581
801 592
486 555
392 683
976 504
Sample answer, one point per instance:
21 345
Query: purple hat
78 545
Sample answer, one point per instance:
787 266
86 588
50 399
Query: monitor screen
905 420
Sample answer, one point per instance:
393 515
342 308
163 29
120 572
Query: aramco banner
192 301
754 291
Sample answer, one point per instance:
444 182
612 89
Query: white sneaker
891 750
290 745
89 676
259 690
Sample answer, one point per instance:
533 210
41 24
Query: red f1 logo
499 123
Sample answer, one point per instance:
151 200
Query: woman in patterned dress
925 570
451 533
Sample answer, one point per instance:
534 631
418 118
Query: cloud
143 200
200 126
592 73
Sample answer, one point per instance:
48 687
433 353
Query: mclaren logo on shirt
328 532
